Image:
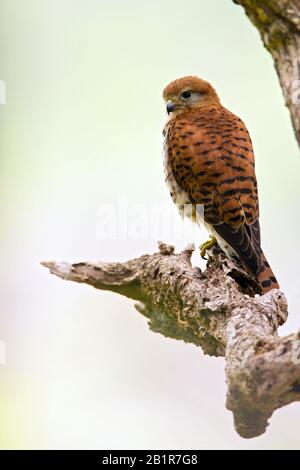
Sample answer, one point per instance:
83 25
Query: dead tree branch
210 309
278 22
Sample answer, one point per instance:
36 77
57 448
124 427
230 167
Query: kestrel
209 161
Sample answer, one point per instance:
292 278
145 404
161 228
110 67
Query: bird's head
188 93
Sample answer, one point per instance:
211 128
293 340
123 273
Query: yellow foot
207 246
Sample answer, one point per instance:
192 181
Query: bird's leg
207 246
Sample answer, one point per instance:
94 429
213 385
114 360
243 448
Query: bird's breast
179 196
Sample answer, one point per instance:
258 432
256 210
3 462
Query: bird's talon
207 246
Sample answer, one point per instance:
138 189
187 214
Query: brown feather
209 158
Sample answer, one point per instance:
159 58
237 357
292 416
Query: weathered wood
278 22
213 311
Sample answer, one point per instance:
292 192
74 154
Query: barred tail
266 277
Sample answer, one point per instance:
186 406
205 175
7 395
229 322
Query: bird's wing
212 160
236 197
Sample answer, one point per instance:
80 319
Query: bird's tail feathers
266 277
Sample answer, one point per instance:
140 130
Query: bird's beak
170 106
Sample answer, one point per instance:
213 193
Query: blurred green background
82 127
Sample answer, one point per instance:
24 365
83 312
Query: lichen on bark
217 310
278 22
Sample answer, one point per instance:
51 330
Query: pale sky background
81 129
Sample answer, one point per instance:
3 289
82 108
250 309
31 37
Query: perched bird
209 161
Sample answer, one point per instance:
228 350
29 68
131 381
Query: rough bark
216 309
278 22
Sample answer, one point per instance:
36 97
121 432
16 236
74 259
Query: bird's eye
186 95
